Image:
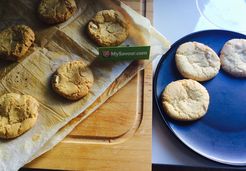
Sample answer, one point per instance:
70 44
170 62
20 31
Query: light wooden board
115 137
114 118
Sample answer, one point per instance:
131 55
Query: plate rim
157 101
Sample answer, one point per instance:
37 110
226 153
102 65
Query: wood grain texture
123 123
114 118
149 10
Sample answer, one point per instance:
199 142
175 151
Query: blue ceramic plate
221 134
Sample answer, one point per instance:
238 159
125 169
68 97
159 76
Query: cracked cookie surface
18 113
56 11
72 80
15 42
197 61
108 28
185 100
233 57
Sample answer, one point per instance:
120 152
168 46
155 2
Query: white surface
175 19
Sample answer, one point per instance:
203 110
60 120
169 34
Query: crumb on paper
35 137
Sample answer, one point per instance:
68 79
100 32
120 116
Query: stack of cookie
187 99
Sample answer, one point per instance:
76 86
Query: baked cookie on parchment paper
56 11
108 28
18 114
233 57
185 100
197 61
15 42
72 80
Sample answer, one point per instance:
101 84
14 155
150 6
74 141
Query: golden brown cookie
72 80
185 100
108 28
197 61
56 11
18 113
15 42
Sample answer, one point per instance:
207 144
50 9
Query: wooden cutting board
117 136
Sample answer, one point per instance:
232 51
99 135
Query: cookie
185 100
233 57
56 11
18 114
108 28
197 61
72 80
15 42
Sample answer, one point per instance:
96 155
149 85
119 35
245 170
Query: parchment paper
54 46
